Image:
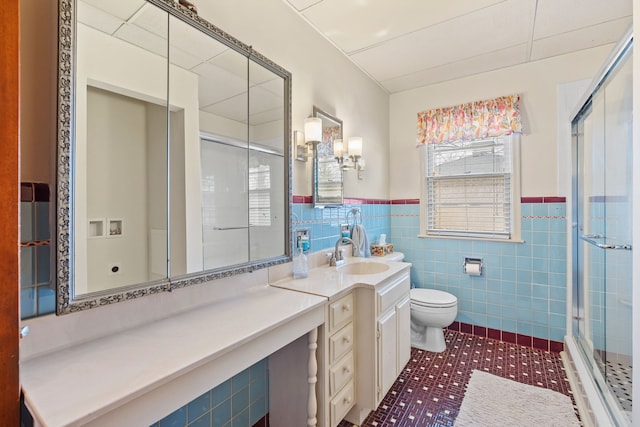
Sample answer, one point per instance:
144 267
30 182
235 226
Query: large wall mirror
173 153
327 172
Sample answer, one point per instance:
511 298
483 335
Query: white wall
536 83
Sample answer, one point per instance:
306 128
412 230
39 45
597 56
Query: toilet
431 310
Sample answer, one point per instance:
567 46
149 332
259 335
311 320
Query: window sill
484 239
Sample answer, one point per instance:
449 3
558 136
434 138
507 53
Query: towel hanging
360 242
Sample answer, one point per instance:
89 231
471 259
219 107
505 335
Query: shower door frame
586 362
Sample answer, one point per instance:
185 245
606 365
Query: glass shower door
603 320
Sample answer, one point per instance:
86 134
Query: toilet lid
432 298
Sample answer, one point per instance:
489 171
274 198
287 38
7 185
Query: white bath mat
494 401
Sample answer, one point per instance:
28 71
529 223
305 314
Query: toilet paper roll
473 269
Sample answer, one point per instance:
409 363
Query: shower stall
600 339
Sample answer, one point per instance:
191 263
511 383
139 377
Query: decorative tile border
545 199
509 337
361 201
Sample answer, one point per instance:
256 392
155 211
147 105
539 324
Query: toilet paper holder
472 266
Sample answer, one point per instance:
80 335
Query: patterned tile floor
429 391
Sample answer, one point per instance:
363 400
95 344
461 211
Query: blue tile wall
241 401
608 281
523 287
324 224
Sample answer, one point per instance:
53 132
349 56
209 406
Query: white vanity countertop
78 384
331 282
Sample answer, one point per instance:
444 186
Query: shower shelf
589 238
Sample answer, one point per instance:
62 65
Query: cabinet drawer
393 292
340 373
340 312
341 404
340 343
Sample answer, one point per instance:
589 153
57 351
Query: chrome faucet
336 258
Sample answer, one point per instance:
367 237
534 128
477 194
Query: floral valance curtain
479 119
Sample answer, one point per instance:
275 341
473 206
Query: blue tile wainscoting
521 295
242 401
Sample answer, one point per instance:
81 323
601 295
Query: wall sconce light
353 159
306 141
312 130
355 153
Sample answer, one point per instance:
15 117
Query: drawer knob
347 400
347 339
346 370
346 307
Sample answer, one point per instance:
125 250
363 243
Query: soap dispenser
300 265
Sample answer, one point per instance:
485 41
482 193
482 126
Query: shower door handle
589 238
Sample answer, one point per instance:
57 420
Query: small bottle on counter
300 265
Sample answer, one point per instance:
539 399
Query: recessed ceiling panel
266 116
584 38
194 42
557 17
261 100
302 4
152 19
122 9
97 18
234 108
403 44
143 39
476 65
363 23
216 84
488 30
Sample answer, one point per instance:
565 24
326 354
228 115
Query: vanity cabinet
340 389
383 346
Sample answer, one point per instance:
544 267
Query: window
469 188
260 196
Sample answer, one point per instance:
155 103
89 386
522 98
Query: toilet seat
432 298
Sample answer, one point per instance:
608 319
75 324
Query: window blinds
469 186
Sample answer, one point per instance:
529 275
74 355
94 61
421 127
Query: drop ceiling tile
261 100
215 84
583 38
259 74
122 9
151 19
143 39
275 86
268 116
233 108
97 18
487 62
302 4
488 30
356 24
232 62
183 59
194 42
557 17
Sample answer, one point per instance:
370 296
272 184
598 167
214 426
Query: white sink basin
364 268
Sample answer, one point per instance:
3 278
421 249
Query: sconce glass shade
355 146
312 129
338 148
